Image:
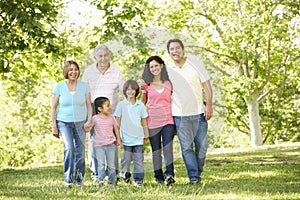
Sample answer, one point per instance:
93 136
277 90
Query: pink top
159 106
103 126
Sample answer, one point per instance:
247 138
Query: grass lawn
268 172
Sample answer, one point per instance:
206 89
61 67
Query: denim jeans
136 154
162 136
192 135
92 155
73 137
93 163
106 163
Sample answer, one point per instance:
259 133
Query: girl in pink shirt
105 140
157 96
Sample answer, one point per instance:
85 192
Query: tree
250 43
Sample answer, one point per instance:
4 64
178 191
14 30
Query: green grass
268 172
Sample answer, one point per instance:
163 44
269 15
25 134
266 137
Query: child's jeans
136 154
106 156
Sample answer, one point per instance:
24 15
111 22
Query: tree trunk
255 130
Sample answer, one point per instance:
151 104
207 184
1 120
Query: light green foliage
251 43
248 44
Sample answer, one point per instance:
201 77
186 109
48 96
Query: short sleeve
57 89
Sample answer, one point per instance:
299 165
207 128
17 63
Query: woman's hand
55 132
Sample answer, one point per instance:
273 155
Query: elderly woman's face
73 72
103 58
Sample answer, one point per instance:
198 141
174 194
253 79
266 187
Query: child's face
130 93
155 68
105 109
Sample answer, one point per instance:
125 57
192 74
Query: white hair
99 47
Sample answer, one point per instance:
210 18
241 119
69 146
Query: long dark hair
148 76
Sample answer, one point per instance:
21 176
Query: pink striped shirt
159 106
103 127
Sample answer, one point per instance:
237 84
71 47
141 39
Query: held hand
142 84
145 139
87 126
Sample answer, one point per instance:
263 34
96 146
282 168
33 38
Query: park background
250 48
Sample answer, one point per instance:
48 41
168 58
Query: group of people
171 103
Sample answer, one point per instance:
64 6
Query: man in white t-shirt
188 108
105 80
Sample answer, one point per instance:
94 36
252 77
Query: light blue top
71 107
131 129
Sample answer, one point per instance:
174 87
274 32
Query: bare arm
144 98
209 95
88 125
146 131
89 107
54 104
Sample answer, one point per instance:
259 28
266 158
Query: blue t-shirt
71 107
131 129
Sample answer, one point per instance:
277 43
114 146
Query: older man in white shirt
104 79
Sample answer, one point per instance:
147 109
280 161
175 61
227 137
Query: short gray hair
99 47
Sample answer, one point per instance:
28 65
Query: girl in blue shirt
71 113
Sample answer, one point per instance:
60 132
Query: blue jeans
135 154
192 135
93 163
73 137
106 158
162 136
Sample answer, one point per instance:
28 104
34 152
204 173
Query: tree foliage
250 48
250 43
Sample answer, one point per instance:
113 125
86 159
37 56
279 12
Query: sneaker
126 177
193 182
137 184
170 180
79 184
100 183
69 185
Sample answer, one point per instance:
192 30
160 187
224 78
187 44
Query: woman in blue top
71 113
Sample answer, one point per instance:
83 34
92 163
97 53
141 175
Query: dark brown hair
133 84
148 76
174 40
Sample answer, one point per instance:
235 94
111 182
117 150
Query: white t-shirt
187 87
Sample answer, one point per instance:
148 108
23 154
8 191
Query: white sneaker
137 184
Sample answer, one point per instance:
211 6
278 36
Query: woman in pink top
105 140
157 92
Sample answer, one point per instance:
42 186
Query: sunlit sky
80 11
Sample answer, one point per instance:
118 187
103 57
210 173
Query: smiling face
73 72
103 58
155 68
130 93
176 52
105 108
